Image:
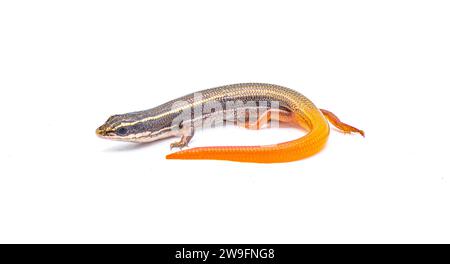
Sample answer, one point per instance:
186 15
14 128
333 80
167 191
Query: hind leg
345 128
268 118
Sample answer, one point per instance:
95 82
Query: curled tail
297 149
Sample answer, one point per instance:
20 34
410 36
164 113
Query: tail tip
170 156
363 134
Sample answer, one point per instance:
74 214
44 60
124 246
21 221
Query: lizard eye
121 131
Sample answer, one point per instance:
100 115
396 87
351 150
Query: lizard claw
179 145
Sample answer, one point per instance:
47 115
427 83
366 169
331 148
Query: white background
65 66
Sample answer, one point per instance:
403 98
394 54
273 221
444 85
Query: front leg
182 143
186 136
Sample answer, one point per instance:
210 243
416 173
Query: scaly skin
294 109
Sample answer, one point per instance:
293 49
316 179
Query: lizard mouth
102 132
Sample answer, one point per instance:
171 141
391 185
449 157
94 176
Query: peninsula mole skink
251 105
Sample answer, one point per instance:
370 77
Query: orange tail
297 149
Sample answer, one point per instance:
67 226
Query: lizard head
125 127
134 127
